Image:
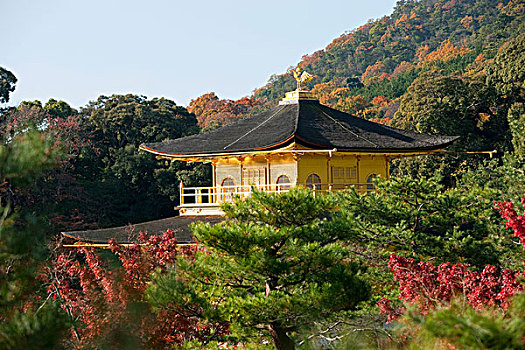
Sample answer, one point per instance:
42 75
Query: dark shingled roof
308 123
130 233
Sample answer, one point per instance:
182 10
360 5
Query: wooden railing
213 196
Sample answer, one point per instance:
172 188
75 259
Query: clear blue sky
76 50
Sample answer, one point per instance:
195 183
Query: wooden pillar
214 189
268 173
241 188
329 179
214 169
387 167
180 193
358 173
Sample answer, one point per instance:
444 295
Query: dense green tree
278 263
59 109
507 71
26 322
448 105
507 74
437 103
121 120
516 117
133 186
421 218
7 84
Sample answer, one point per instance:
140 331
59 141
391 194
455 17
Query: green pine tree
25 322
278 263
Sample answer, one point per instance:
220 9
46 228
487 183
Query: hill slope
367 70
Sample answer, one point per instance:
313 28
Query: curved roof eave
306 122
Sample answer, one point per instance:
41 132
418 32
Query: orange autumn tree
212 111
446 52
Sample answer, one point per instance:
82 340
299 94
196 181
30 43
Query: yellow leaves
322 91
422 51
513 8
467 21
401 20
446 52
339 97
373 70
380 101
385 37
482 118
480 58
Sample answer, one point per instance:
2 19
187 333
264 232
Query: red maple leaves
426 285
108 304
514 221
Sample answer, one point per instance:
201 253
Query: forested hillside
367 70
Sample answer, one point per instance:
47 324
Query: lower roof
130 233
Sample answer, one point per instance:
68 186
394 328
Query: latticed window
341 174
313 181
228 188
351 173
283 183
369 182
228 184
338 173
255 176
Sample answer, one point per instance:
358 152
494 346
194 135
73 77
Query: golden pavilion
300 142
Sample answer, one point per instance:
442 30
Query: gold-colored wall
369 165
299 170
228 168
282 165
274 166
324 167
313 164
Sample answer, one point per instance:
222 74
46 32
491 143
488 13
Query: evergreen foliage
133 185
25 322
420 218
103 179
278 263
409 34
7 84
468 328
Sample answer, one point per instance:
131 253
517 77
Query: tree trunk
281 340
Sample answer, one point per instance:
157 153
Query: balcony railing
214 196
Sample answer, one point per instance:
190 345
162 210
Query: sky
77 50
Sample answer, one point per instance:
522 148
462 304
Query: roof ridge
296 126
347 129
258 126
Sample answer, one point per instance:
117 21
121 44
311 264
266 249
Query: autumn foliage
513 220
427 286
109 305
446 52
212 111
